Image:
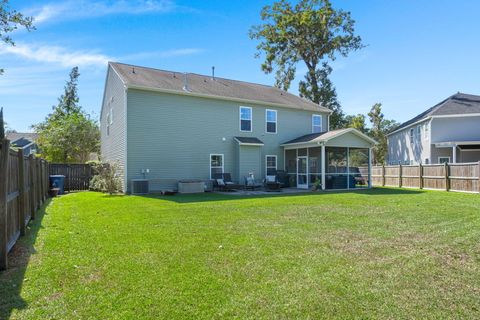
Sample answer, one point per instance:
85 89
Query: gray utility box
191 186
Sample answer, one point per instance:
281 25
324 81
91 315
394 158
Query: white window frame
240 119
443 157
411 133
266 162
266 121
111 116
210 163
426 133
313 125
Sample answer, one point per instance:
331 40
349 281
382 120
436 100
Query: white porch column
323 166
454 154
369 167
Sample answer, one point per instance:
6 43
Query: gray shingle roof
149 78
459 103
325 136
15 136
249 140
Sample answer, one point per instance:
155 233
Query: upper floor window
271 121
111 116
246 119
412 132
316 123
426 132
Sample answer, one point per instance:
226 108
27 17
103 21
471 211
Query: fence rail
462 177
23 189
77 176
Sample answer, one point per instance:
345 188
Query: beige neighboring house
447 132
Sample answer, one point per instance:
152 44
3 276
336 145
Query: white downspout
323 166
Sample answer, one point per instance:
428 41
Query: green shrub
106 178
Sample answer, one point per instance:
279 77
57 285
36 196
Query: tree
68 134
358 122
10 20
379 130
311 32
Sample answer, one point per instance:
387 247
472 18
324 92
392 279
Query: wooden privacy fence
23 189
77 176
463 177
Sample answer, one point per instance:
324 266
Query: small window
246 119
427 161
111 115
418 132
443 159
426 132
271 165
216 165
316 123
412 137
271 121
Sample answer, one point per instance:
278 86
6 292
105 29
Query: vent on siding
139 186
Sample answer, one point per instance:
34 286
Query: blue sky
418 53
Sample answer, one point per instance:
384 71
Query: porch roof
323 137
249 141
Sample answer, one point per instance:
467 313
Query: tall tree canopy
379 130
68 134
10 20
312 32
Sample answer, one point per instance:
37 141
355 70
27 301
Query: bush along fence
23 189
463 177
77 176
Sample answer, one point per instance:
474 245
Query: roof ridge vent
185 82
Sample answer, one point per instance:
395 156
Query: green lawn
382 253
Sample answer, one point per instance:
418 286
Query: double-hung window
271 165
216 165
246 119
412 136
271 121
316 123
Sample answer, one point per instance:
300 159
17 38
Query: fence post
420 176
383 175
4 153
21 190
447 176
31 173
399 175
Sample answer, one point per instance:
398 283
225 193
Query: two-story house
168 126
447 132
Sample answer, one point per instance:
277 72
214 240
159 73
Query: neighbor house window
426 132
216 165
108 124
271 165
316 123
412 132
111 115
443 159
418 133
271 119
246 119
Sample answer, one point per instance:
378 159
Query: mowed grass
382 253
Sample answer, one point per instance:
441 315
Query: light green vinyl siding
174 135
250 161
113 145
350 140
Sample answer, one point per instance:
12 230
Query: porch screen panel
314 164
291 166
358 167
336 168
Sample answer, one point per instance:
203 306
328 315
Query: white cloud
82 9
56 55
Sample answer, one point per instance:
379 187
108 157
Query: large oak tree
311 32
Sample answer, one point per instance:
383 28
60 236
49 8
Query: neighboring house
167 126
447 132
25 141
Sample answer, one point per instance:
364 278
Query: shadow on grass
212 196
11 280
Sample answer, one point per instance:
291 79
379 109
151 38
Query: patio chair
227 178
251 184
271 183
